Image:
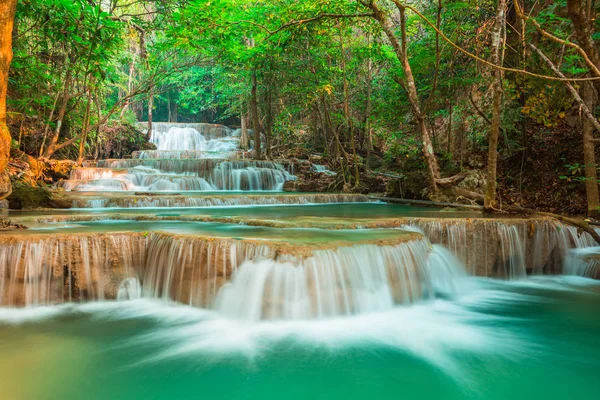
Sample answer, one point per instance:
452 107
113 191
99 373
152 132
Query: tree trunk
368 108
449 132
86 123
49 151
409 84
244 136
255 119
348 117
7 16
591 175
269 124
129 84
490 193
150 107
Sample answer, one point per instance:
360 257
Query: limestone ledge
53 268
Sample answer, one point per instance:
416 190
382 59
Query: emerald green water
215 229
344 210
534 339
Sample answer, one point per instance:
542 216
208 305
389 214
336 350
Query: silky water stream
336 301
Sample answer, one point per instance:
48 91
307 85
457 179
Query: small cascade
166 201
322 169
97 185
346 281
510 248
583 262
47 270
180 154
189 157
511 263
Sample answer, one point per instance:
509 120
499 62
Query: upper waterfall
189 157
194 137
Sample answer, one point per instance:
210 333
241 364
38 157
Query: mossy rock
411 186
24 196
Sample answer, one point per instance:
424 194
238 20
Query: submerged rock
8 225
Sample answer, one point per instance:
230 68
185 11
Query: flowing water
189 157
224 290
534 339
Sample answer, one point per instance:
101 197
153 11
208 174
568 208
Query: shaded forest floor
532 178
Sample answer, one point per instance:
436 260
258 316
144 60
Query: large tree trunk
409 84
490 193
255 119
591 175
7 17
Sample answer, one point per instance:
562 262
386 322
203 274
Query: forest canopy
431 91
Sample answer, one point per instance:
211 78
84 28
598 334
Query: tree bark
86 123
244 136
7 17
269 123
255 118
490 193
591 175
150 107
347 116
368 109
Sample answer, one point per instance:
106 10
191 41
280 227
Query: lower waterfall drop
346 281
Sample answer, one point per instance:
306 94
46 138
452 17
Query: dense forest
492 102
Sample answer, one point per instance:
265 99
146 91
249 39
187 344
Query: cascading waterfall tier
189 157
583 262
249 279
176 201
506 248
41 270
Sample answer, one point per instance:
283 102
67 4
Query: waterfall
583 262
248 279
510 248
189 157
322 169
512 251
165 201
47 270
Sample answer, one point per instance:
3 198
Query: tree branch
490 64
570 87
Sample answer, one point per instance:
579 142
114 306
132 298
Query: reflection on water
522 340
